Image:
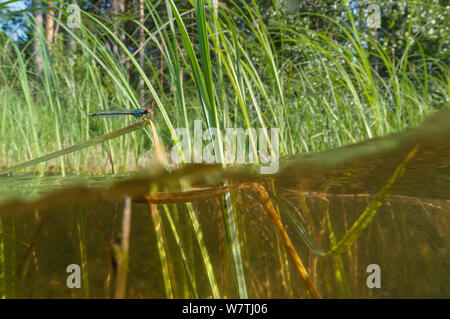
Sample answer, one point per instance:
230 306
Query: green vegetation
322 76
324 83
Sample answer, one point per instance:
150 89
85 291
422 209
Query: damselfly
114 113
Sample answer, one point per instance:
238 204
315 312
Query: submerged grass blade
340 275
2 263
269 209
179 243
82 238
157 221
204 251
235 247
358 227
371 210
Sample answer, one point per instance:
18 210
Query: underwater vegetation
311 230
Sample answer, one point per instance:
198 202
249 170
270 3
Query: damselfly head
145 113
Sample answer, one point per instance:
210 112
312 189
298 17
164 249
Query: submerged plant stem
2 264
269 209
161 249
363 221
122 253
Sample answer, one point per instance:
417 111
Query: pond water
55 222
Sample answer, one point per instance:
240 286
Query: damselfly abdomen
115 113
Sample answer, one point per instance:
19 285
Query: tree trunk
37 38
117 9
57 25
49 27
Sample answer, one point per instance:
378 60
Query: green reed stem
363 221
157 221
2 263
190 277
82 237
77 147
342 284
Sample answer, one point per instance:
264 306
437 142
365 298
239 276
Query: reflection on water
30 186
323 194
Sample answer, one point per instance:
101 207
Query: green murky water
54 224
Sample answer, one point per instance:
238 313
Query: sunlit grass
336 93
331 97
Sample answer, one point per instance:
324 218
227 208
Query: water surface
53 224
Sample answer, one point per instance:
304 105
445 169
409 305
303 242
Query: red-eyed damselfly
115 113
